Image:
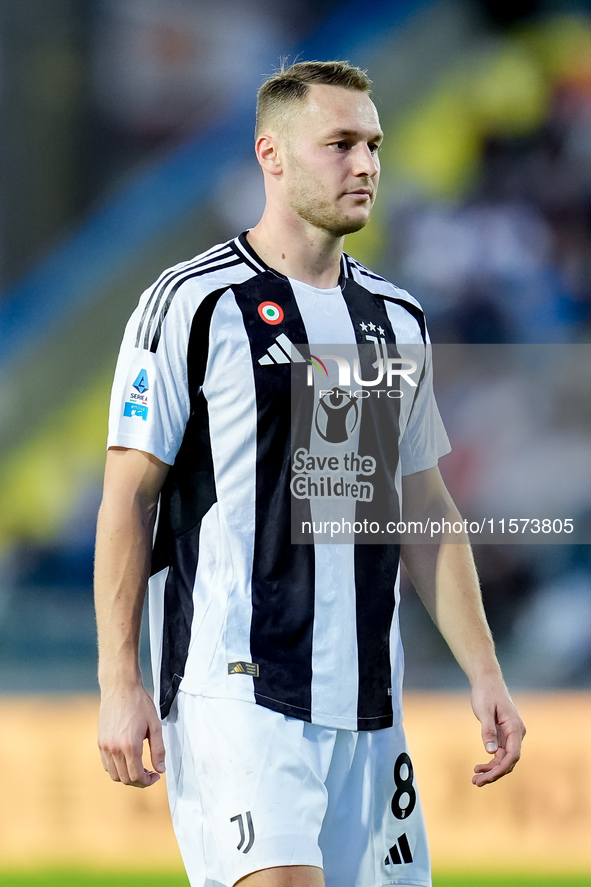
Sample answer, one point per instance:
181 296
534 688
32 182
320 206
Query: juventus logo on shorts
240 820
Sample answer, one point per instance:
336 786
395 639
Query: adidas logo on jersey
281 351
399 853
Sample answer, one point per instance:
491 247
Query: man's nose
366 161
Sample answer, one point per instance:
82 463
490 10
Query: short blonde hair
288 86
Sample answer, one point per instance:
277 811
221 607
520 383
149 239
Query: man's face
331 167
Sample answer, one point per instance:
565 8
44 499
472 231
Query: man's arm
445 578
133 481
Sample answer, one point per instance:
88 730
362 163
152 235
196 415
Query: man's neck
299 251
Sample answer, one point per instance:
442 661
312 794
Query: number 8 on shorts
403 776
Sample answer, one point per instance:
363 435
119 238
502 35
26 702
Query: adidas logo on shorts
399 853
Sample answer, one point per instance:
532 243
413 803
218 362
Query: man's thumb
489 738
157 752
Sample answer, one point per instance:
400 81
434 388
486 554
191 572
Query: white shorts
251 789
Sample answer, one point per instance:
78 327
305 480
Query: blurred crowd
510 263
506 262
92 89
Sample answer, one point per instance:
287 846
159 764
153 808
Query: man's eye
373 148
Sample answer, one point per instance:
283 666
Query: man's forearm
133 481
445 578
123 552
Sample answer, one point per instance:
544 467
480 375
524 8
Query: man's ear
267 153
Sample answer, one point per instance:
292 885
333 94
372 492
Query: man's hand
502 732
126 719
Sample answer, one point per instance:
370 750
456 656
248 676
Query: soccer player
278 666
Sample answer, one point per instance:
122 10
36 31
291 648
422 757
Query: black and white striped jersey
204 382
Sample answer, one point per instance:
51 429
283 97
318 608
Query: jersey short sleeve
150 398
424 439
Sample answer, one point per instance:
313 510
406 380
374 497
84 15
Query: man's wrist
485 672
119 677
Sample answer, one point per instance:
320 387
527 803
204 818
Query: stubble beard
323 216
309 200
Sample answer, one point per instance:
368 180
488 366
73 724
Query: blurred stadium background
127 146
